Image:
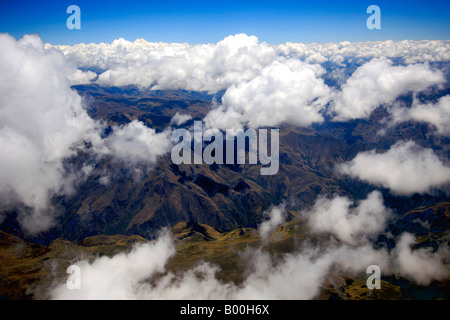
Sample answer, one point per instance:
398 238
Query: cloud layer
269 85
410 51
43 122
213 67
297 275
174 66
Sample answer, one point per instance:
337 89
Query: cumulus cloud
421 265
174 66
238 57
437 114
266 85
405 168
379 82
280 94
42 123
409 50
135 143
349 224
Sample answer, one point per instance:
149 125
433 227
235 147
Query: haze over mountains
364 142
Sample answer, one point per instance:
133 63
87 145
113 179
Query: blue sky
210 21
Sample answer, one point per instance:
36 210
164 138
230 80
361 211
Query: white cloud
294 276
350 225
421 265
411 51
378 82
42 122
135 143
266 84
280 94
174 66
437 114
81 77
118 277
405 168
276 216
236 58
301 275
297 275
180 118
